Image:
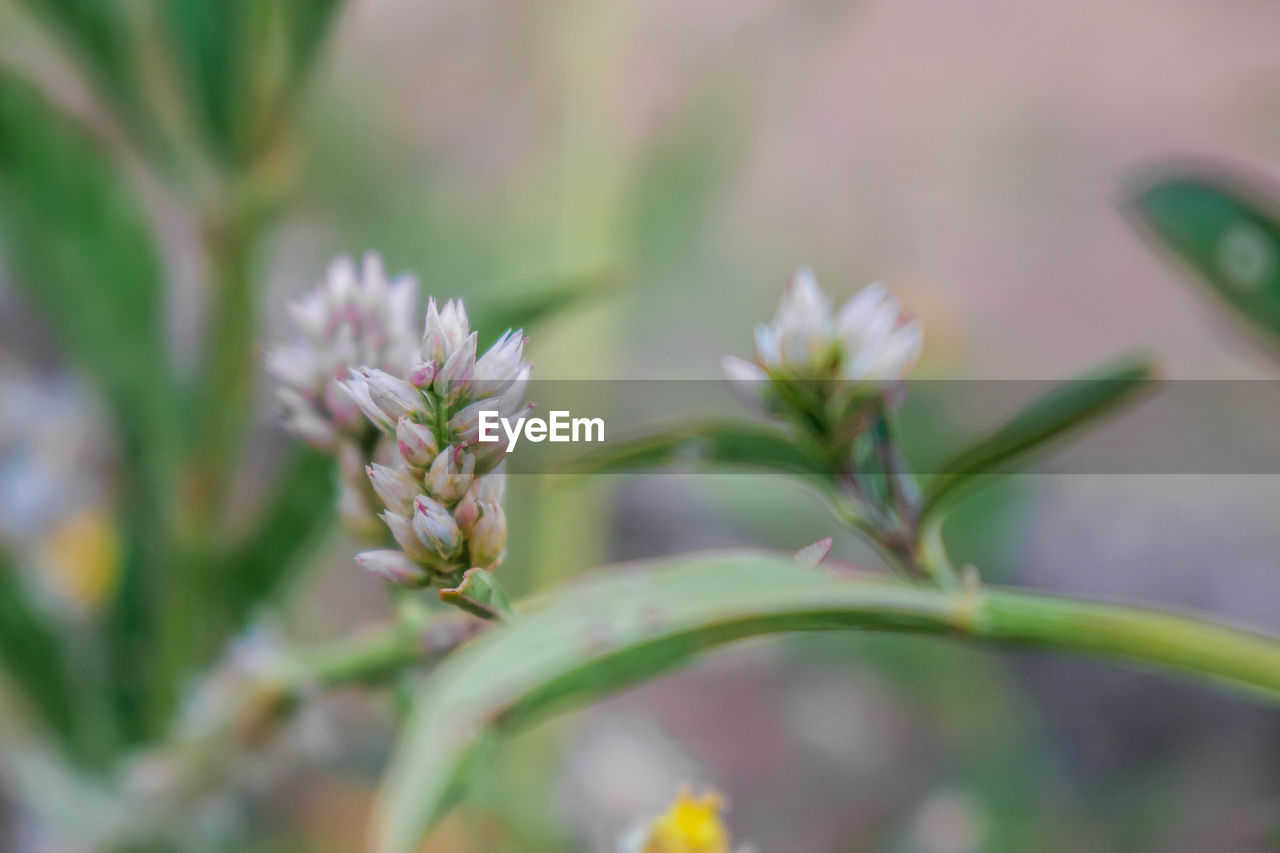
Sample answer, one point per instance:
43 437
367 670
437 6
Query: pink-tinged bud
355 316
746 380
396 489
395 397
465 425
467 512
393 566
357 387
491 487
436 528
416 442
450 475
422 375
455 376
489 536
407 538
432 335
502 361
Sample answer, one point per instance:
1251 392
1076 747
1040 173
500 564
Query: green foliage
299 511
79 244
241 62
1069 406
541 305
33 655
98 34
709 444
605 633
1229 234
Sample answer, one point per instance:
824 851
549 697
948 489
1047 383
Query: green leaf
709 444
80 247
242 62
542 304
1069 406
33 655
299 511
613 630
480 595
98 33
1226 232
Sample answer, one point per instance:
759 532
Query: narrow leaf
708 444
1069 406
298 512
32 654
540 305
1224 230
613 630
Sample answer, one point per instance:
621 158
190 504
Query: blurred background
675 161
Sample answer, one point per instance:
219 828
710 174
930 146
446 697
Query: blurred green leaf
610 631
1069 406
709 444
679 182
33 655
1227 233
79 245
589 640
99 34
209 51
299 512
242 62
543 304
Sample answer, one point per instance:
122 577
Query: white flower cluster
355 317
361 386
443 498
870 341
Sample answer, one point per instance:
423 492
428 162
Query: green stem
193 607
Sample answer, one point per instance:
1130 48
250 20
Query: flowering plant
149 675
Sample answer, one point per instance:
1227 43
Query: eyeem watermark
559 427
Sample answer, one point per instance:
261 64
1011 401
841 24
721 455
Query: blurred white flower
871 340
354 317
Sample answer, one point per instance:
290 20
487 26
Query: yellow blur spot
81 556
689 825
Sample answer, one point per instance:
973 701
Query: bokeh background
684 158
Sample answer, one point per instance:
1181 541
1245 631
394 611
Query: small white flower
353 317
870 338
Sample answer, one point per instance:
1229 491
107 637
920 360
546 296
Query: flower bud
396 489
357 388
492 487
445 331
393 566
420 377
450 475
455 375
395 397
467 512
489 536
416 442
407 538
503 361
747 381
355 316
436 528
